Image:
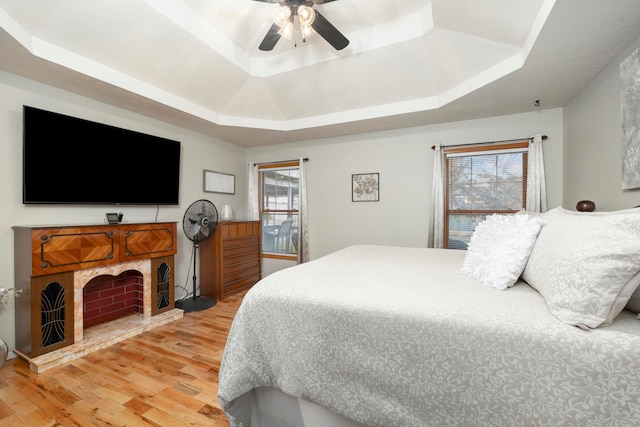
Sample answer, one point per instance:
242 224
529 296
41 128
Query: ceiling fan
308 19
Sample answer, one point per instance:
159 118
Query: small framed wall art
365 187
218 182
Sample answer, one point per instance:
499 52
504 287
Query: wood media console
54 263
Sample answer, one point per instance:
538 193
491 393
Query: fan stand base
200 303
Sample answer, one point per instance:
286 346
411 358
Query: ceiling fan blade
270 39
329 32
316 1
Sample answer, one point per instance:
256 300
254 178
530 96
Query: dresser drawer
230 261
235 230
234 267
240 242
250 271
250 248
240 285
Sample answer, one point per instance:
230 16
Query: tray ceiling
196 63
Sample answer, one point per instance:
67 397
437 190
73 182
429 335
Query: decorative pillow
499 249
586 265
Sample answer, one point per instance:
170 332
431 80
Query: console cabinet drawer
57 250
149 240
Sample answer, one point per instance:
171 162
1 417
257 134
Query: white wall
198 153
404 159
593 143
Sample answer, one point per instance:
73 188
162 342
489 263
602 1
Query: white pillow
499 249
585 265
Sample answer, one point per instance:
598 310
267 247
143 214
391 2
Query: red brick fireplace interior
107 298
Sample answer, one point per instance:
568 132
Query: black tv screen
68 160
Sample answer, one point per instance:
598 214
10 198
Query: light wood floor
164 377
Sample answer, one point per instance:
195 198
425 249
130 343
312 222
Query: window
480 182
279 193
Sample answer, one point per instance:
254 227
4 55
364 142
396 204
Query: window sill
272 255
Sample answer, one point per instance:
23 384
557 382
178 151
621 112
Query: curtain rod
433 147
304 159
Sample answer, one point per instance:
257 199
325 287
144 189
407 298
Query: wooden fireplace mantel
56 249
48 258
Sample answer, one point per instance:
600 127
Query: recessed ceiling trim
16 30
71 60
390 32
536 28
58 55
189 21
497 71
501 69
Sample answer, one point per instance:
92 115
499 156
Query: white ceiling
196 63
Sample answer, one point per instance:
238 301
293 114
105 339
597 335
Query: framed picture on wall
365 187
218 182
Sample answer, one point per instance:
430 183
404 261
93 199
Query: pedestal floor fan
199 223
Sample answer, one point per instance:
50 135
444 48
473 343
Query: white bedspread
393 336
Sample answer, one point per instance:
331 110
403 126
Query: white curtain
303 221
436 220
253 197
536 189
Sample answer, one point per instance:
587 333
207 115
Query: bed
392 336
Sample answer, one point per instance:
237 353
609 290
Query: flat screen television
68 160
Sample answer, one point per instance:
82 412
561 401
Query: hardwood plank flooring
164 377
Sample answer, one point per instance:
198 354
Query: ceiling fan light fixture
306 31
281 16
306 15
286 30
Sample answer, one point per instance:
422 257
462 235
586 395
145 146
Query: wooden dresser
231 260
